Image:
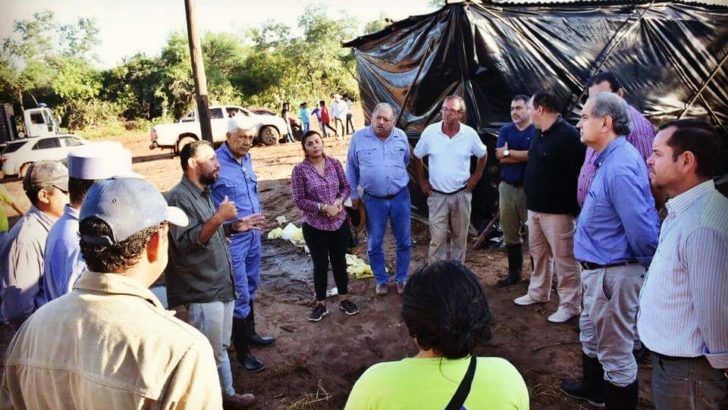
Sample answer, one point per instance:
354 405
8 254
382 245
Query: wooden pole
198 71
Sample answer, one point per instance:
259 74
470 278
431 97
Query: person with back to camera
447 315
320 187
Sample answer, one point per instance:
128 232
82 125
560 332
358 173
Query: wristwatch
507 153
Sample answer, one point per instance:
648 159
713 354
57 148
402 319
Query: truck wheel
23 169
269 135
182 142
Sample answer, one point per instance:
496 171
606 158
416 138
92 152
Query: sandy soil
314 365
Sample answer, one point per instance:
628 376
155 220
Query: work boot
591 387
254 338
515 265
238 401
242 349
621 398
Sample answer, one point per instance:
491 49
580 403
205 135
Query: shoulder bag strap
457 401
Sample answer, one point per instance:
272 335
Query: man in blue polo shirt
616 236
377 161
514 139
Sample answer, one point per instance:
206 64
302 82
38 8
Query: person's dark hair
698 137
305 136
77 189
115 258
32 194
547 100
607 76
521 97
322 102
445 309
189 151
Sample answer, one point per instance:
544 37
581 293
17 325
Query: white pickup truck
268 128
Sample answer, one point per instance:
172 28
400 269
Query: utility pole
198 71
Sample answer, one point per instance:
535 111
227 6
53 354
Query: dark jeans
687 384
337 122
325 246
349 122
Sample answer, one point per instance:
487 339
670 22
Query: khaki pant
513 213
449 214
552 236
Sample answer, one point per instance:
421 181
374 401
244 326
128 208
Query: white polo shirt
449 162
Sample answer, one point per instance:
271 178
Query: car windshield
13 146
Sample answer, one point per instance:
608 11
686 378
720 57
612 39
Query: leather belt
593 266
384 197
675 359
517 185
448 193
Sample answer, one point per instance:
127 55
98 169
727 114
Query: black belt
676 359
517 185
593 266
384 197
449 193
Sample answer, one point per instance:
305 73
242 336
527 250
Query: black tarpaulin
670 57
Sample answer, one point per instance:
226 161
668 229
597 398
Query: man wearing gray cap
63 262
22 249
117 347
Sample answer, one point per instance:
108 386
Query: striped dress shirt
684 302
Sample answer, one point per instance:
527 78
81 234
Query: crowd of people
82 260
338 112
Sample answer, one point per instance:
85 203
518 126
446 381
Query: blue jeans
215 321
397 210
245 253
688 384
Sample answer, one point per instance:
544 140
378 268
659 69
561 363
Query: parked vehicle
39 122
268 128
19 154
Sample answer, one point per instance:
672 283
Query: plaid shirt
311 189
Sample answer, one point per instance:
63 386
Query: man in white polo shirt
449 145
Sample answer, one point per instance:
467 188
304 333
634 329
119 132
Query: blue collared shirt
238 182
517 140
618 222
380 167
63 262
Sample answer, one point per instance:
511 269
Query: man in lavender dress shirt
683 315
615 239
641 132
377 160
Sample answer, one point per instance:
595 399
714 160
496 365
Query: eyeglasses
445 109
65 191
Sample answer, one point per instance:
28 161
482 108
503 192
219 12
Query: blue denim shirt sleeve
352 168
640 224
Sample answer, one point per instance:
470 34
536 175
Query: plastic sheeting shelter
670 57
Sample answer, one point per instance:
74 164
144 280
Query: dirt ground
314 365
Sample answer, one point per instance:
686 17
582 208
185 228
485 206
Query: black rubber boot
254 338
591 386
621 398
242 349
515 265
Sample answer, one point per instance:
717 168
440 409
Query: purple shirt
311 189
641 138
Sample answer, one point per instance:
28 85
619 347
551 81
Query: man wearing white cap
63 263
110 343
22 249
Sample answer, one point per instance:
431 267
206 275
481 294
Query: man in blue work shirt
514 140
616 237
63 263
377 161
238 183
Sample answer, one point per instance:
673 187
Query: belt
517 185
676 359
593 266
448 193
386 196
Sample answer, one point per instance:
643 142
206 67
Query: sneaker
348 307
561 315
238 401
526 300
319 311
382 289
400 288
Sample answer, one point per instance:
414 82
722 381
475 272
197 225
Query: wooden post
198 71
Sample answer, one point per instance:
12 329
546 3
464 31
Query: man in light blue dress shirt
377 161
683 315
63 263
615 239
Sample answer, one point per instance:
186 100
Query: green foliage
52 63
